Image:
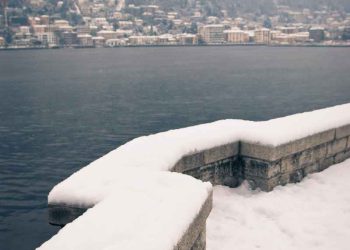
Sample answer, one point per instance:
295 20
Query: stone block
325 163
259 168
290 164
312 155
296 176
221 152
60 215
343 131
270 153
200 243
196 228
341 157
189 162
336 146
258 151
348 146
303 144
284 179
207 173
311 169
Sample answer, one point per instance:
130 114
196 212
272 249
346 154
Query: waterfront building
85 40
98 41
166 39
107 34
317 34
143 40
262 36
288 30
70 38
47 38
2 41
236 36
212 34
187 39
115 42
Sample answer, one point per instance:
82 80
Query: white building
236 36
212 34
262 36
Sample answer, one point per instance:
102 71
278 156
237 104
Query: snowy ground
314 214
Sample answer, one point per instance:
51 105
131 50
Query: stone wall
195 236
265 166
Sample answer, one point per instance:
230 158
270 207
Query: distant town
98 23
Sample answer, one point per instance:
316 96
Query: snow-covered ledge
137 204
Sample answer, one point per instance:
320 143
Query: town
98 23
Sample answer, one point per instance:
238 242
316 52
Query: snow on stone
149 211
313 214
126 174
161 151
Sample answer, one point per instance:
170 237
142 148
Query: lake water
61 109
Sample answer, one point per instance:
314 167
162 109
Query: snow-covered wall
267 154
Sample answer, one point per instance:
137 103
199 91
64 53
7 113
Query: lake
61 109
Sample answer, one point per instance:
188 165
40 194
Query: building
212 34
85 40
47 38
2 41
70 38
236 36
115 42
166 39
187 39
317 34
107 34
262 36
40 28
143 40
98 41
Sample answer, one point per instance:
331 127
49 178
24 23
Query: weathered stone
325 163
258 151
189 162
197 226
221 152
348 145
303 144
270 153
60 215
262 169
289 164
312 155
200 243
297 176
341 157
336 146
342 132
284 179
311 169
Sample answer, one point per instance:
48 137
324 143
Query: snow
313 214
137 212
127 184
160 152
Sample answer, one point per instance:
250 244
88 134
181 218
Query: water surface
61 109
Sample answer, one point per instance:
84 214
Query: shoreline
185 45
